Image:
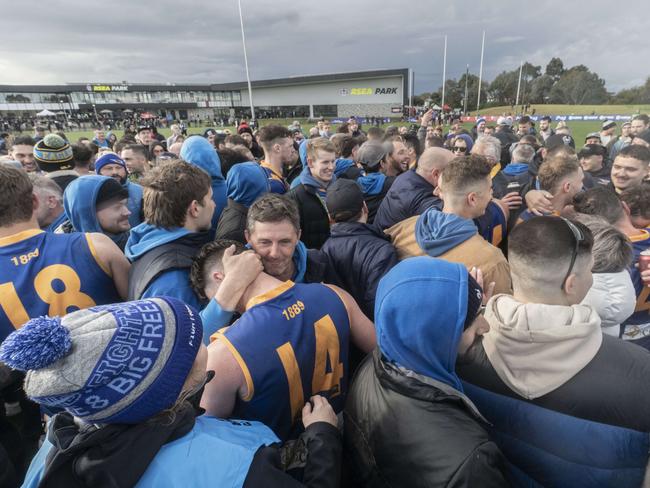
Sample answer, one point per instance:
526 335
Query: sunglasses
578 237
459 149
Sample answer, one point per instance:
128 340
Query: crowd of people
408 306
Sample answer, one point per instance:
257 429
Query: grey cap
371 153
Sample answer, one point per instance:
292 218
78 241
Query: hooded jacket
410 195
134 203
314 218
454 239
79 202
408 393
360 255
613 297
375 186
246 182
169 273
568 405
199 152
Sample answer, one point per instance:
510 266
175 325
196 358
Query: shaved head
434 158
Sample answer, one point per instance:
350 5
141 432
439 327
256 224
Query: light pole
248 78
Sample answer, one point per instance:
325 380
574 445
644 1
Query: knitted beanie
120 363
108 158
53 153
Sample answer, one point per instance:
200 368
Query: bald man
412 192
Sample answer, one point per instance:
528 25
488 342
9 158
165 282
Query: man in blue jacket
178 214
412 192
360 254
115 167
568 405
199 152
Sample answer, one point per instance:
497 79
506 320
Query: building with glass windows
380 93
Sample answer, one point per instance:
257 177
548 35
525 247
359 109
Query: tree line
555 85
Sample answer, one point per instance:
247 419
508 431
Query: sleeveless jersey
291 343
42 273
637 325
492 225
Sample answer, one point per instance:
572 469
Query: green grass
572 110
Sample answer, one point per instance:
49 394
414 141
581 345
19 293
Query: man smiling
310 194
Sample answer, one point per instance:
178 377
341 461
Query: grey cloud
198 41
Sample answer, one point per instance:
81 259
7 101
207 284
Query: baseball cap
504 121
371 154
557 140
592 135
143 127
592 150
344 200
608 124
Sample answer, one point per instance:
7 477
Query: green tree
540 89
503 89
555 68
579 86
634 95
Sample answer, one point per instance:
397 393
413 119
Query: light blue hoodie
199 152
302 152
173 283
246 182
214 318
79 203
420 311
437 232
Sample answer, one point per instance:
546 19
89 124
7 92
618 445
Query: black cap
371 154
143 127
557 140
344 200
110 191
592 150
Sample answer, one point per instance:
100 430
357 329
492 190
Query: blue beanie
109 158
111 364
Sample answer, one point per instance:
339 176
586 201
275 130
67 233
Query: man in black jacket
359 253
407 420
412 192
309 195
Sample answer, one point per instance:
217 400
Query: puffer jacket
360 255
614 298
396 419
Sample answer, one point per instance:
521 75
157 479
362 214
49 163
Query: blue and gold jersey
291 343
638 324
492 225
49 274
277 183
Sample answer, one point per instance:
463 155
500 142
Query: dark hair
599 201
525 119
643 118
637 199
169 189
235 140
554 169
435 141
269 134
541 240
81 154
230 157
344 128
465 171
209 255
24 141
632 151
411 141
563 150
375 132
273 208
136 148
16 189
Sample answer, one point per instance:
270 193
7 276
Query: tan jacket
474 252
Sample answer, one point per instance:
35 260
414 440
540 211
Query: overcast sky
196 41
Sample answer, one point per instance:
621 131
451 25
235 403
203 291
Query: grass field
573 110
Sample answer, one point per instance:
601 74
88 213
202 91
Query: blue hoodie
372 183
342 165
246 182
302 152
425 343
514 169
199 152
134 202
174 283
437 232
214 318
79 200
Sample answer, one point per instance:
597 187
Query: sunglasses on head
578 237
459 149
